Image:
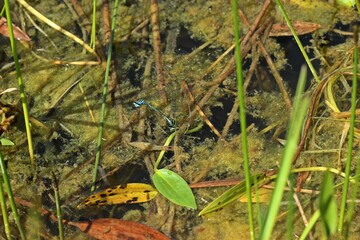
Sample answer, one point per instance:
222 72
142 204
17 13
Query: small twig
245 46
137 28
106 22
154 11
57 27
201 113
62 96
269 61
312 110
86 24
113 81
233 113
231 117
141 130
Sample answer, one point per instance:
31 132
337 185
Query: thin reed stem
241 99
298 42
105 91
93 27
58 207
11 197
4 211
350 148
20 82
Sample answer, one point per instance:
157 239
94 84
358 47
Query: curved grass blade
174 187
232 194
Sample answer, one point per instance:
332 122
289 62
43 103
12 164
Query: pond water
65 106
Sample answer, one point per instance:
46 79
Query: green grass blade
170 138
350 143
105 91
58 207
315 217
4 211
241 99
174 187
232 194
291 208
162 153
11 197
293 135
93 26
298 42
20 82
327 205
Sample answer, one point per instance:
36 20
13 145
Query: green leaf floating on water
6 142
174 188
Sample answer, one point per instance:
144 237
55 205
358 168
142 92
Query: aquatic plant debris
18 33
121 194
114 229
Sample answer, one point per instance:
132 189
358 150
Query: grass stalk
291 208
350 147
20 82
58 207
168 141
93 27
241 99
11 197
298 42
293 135
105 91
313 220
162 153
4 212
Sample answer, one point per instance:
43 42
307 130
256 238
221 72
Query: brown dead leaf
301 28
116 229
18 33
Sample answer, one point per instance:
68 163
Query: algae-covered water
65 103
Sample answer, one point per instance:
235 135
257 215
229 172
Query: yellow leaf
263 195
121 194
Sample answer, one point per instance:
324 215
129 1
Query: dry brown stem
154 11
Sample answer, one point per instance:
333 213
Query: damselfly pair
141 102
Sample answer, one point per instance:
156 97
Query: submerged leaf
174 187
128 193
328 209
114 229
262 195
232 194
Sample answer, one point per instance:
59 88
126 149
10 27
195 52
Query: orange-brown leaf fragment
301 28
115 229
18 33
121 194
